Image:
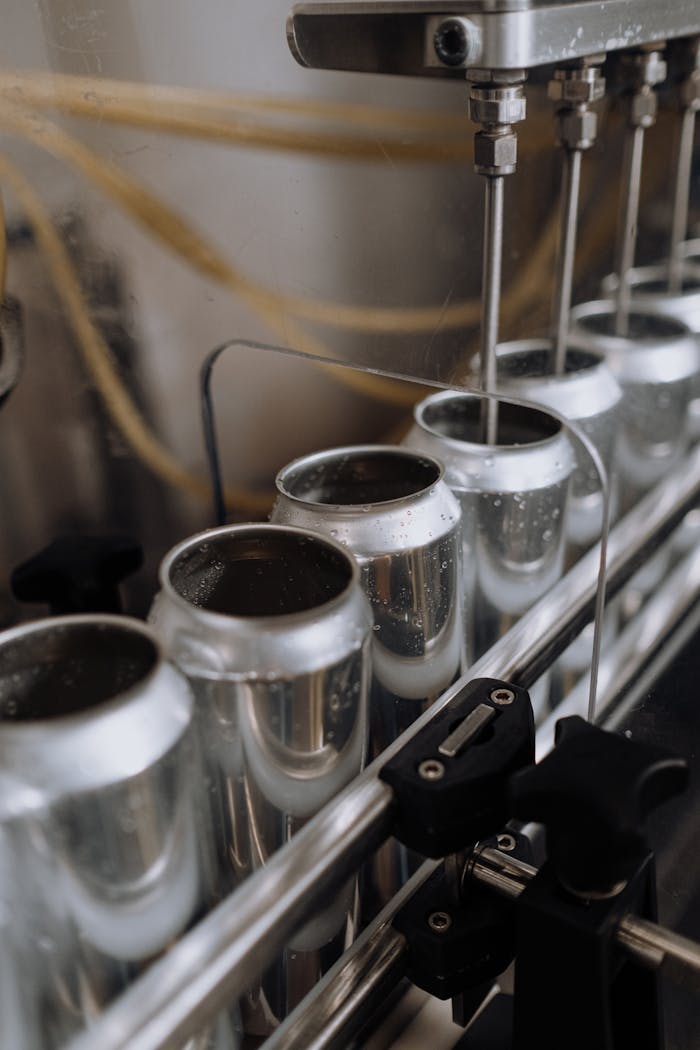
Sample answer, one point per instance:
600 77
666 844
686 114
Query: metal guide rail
424 38
222 956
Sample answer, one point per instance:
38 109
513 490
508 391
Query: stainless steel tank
272 628
105 851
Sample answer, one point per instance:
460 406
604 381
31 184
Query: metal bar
214 963
338 1006
571 182
681 197
490 303
649 944
631 188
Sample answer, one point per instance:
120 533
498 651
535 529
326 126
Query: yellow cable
98 360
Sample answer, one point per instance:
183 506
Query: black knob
78 573
593 793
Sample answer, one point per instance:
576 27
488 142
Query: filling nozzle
496 102
640 71
574 88
689 98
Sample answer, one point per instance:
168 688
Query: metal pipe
652 946
571 182
491 303
631 183
681 199
215 962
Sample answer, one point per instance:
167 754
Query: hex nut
495 153
643 108
579 89
503 106
577 129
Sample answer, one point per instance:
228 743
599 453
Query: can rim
276 619
392 451
483 447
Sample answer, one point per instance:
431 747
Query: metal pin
491 303
467 731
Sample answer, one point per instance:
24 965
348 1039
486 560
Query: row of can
133 795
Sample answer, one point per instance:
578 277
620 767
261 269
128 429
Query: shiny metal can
272 628
656 366
105 855
513 498
393 510
391 507
587 394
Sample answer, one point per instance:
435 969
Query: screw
503 697
439 921
431 769
451 42
506 843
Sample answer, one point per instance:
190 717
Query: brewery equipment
204 860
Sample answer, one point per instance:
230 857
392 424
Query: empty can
105 855
391 507
272 628
513 497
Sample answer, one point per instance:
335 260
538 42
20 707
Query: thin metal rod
681 199
215 962
491 302
631 189
649 944
570 189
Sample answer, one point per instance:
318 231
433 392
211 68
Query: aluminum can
656 367
391 507
586 394
105 856
513 497
272 628
650 288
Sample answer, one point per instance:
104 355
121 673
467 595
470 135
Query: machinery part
640 71
479 743
11 346
272 628
399 36
687 55
78 573
104 813
219 959
573 89
594 823
496 105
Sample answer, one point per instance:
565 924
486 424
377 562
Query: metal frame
396 36
215 962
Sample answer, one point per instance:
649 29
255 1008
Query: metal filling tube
219 958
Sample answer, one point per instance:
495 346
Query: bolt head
439 921
502 696
495 154
500 106
431 769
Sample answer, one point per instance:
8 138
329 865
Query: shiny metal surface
513 497
681 198
491 300
397 36
571 184
215 962
656 366
272 628
99 801
629 220
392 509
586 393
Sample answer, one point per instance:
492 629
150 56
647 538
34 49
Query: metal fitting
495 152
456 41
642 68
643 108
690 92
577 128
497 105
574 86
